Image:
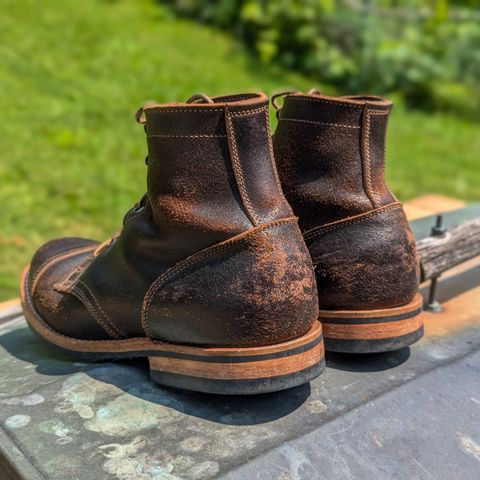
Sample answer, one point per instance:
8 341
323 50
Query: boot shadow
367 362
132 376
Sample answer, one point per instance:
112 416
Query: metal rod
432 305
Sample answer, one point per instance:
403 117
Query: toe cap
51 264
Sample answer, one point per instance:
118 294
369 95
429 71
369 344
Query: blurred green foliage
428 50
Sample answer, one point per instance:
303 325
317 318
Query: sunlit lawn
73 73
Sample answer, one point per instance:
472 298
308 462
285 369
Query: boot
209 278
330 154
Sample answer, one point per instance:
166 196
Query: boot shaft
211 172
212 255
330 154
209 277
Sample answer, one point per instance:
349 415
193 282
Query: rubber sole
371 331
220 370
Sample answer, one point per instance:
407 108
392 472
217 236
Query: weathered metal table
411 414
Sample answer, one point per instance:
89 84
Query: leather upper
330 154
211 178
365 261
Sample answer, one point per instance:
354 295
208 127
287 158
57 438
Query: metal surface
432 305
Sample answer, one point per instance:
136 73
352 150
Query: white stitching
272 154
158 110
368 180
236 98
238 173
248 112
320 123
368 174
186 136
331 102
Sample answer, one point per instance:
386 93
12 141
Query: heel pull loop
140 116
199 98
274 98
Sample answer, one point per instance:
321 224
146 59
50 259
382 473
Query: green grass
73 73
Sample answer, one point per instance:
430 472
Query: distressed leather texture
211 179
369 260
275 293
330 154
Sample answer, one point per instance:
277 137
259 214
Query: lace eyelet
138 209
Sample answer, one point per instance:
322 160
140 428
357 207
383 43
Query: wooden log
459 244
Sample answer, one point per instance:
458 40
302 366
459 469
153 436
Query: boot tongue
199 98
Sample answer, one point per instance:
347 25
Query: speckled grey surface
409 414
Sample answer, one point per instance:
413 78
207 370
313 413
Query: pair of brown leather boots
211 277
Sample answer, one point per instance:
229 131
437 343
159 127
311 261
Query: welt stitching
101 310
186 136
327 228
91 309
195 258
320 123
237 170
55 259
331 102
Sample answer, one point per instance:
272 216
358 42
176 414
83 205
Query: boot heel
370 331
241 371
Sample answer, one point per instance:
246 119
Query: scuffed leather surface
330 153
53 248
319 149
260 180
64 313
374 128
193 203
320 173
367 263
120 275
258 290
